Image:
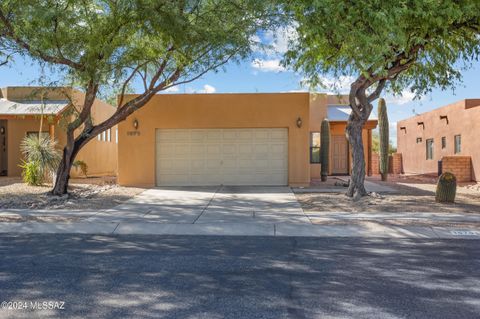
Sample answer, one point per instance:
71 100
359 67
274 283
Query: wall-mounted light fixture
135 124
444 117
299 122
2 130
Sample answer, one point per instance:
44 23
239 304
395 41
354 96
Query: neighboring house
20 111
233 139
449 134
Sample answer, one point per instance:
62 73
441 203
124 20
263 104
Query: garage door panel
222 156
279 135
213 149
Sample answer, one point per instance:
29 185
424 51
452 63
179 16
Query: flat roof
49 107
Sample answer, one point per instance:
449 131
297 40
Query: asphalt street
132 276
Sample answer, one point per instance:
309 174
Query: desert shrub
79 164
41 151
31 173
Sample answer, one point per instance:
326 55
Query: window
458 144
444 142
430 149
315 148
109 135
116 135
419 140
104 136
99 137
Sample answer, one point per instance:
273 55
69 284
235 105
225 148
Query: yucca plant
42 151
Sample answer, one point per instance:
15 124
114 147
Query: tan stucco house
233 139
444 139
20 111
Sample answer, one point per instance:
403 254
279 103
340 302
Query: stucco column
51 130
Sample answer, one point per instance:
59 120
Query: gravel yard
88 194
410 196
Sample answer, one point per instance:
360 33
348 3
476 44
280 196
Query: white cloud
406 96
207 88
276 41
270 47
172 89
338 85
272 65
281 38
332 85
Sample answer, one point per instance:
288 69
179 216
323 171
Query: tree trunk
356 189
384 176
70 151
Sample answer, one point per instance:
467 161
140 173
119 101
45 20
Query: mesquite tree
112 45
388 44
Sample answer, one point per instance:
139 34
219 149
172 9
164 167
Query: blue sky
264 74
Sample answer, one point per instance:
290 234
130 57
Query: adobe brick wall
375 164
394 164
460 166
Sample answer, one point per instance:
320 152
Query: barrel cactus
324 149
446 188
383 137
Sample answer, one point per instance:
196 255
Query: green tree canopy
393 44
413 44
104 45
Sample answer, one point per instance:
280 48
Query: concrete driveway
208 205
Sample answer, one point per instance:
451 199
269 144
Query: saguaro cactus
325 149
446 188
383 137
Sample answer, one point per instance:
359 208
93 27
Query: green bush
31 173
79 164
40 151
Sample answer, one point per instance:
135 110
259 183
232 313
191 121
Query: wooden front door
340 154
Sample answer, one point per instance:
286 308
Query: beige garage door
222 156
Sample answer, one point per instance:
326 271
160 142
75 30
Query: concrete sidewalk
242 229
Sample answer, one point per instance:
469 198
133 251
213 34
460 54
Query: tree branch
378 90
10 32
125 84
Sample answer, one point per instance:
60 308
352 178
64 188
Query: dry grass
87 194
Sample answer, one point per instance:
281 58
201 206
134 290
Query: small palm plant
41 155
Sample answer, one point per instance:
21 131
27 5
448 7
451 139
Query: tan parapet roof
49 107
